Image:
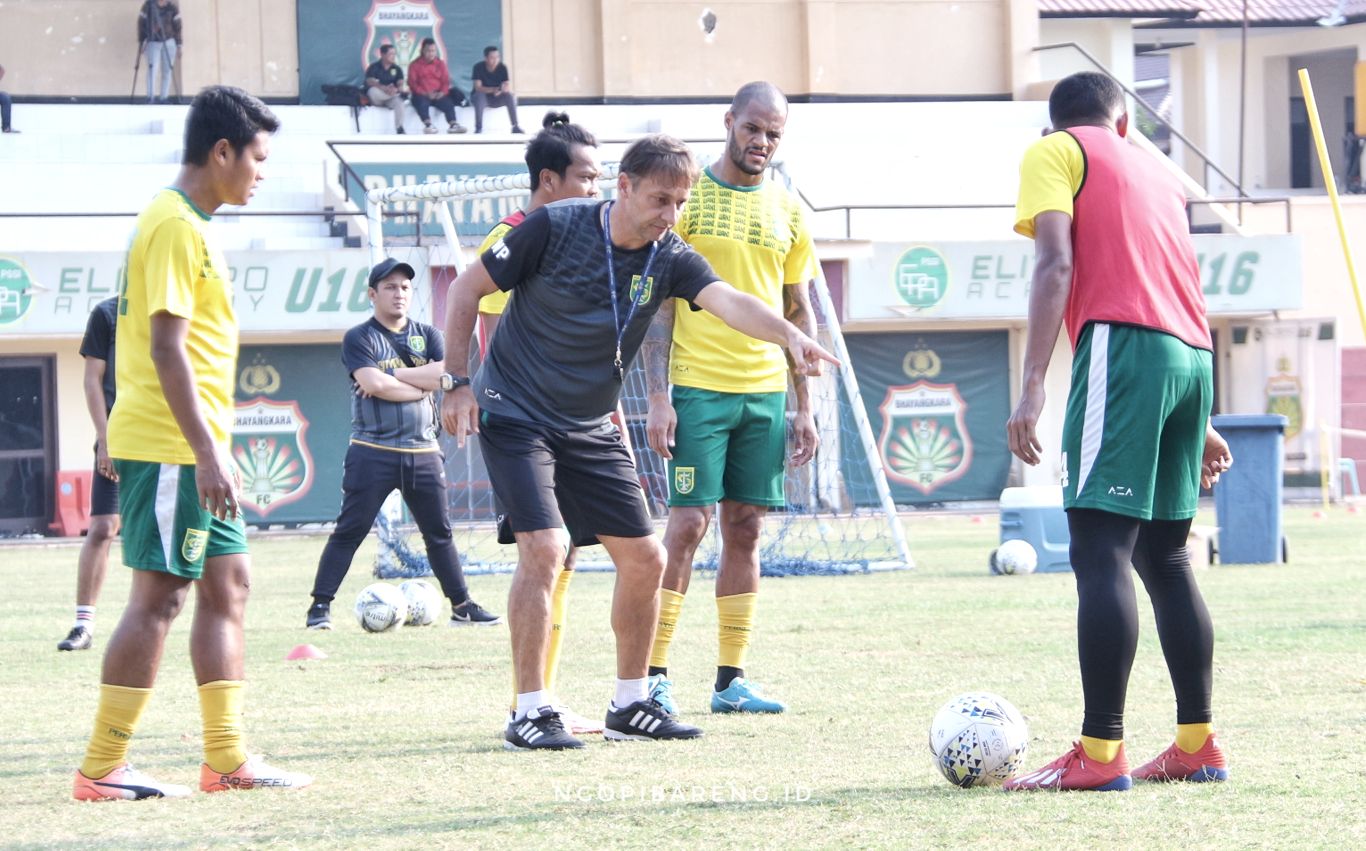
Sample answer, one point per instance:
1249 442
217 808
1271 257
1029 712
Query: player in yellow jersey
723 427
562 160
169 436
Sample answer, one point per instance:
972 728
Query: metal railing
1209 163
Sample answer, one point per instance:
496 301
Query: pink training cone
306 651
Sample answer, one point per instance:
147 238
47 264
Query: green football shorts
164 527
728 446
1134 435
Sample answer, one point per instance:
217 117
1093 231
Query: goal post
829 525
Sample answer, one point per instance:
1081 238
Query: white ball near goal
424 603
978 739
381 607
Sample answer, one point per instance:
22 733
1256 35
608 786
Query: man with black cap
395 364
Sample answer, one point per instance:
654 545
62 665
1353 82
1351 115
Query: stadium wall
570 49
87 48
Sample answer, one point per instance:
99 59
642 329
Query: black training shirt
409 426
551 360
98 343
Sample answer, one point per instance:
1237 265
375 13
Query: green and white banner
990 280
52 293
937 404
293 425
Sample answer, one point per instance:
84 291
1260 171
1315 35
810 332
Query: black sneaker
79 638
518 130
470 613
540 730
645 721
319 616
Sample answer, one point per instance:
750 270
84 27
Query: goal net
839 516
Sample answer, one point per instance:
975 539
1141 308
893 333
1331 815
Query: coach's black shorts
104 494
534 470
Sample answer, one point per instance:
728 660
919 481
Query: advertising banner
52 293
990 280
938 404
338 39
292 428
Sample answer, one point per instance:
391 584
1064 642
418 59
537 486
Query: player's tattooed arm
655 349
805 437
660 419
797 310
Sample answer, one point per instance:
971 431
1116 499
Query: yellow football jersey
755 237
172 267
1050 177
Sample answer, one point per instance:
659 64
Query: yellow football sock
1101 750
1191 737
115 719
734 621
670 605
559 603
220 706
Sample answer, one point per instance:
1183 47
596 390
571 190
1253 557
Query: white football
978 739
424 602
381 607
1015 556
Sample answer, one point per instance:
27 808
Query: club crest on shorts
192 548
642 293
684 479
924 442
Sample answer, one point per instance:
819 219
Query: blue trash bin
1247 498
1035 514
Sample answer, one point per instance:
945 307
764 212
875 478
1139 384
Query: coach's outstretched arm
459 414
749 315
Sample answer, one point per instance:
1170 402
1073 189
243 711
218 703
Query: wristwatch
450 381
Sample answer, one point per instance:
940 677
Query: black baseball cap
387 266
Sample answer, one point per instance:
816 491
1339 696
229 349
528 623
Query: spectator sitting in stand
492 88
384 84
430 82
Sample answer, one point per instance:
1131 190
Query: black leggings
1103 544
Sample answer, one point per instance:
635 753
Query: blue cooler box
1035 514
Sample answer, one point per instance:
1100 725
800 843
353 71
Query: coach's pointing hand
807 354
459 414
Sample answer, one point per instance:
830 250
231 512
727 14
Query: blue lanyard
612 285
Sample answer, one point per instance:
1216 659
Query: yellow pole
1331 183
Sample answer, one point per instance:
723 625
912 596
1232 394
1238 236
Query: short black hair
553 147
385 48
1084 98
427 41
224 112
492 48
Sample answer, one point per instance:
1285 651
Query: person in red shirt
1114 259
430 82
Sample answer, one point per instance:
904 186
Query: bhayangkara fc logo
271 455
924 442
402 23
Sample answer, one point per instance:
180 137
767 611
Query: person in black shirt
97 347
159 33
384 84
492 88
395 365
588 276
